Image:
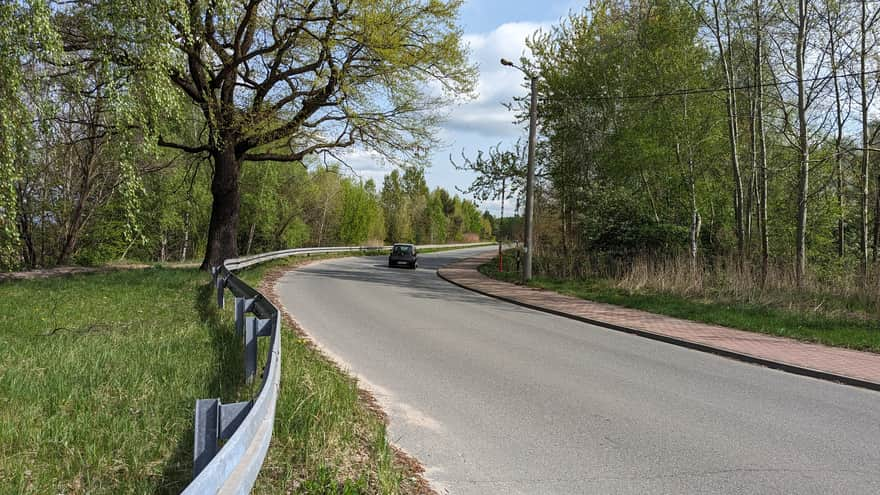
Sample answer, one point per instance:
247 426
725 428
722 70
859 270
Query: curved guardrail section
245 428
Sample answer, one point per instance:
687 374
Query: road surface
495 398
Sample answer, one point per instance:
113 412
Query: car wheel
390 265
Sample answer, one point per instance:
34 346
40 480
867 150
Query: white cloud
494 206
497 84
472 125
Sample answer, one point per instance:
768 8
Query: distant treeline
74 212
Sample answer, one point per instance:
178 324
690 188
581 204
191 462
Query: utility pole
501 227
530 177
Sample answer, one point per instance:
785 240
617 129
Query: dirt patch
60 271
66 271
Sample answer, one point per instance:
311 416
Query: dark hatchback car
403 254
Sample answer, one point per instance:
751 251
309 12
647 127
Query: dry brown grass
836 292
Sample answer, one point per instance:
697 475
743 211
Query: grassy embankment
99 374
774 316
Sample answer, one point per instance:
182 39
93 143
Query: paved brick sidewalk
844 365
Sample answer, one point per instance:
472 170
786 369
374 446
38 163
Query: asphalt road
494 398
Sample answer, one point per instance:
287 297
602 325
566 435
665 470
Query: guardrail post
221 284
207 428
242 306
231 415
214 422
253 328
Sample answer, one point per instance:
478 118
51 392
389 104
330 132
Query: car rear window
402 250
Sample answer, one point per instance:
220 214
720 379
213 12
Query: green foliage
633 160
326 483
471 218
360 214
396 205
500 174
26 34
436 218
135 75
367 66
637 154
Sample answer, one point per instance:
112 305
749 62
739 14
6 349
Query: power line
694 91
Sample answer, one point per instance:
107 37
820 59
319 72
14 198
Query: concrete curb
739 356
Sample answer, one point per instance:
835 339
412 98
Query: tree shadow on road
421 283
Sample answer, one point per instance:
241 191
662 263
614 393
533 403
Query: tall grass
833 291
99 374
830 309
98 378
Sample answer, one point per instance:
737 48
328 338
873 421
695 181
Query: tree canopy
279 81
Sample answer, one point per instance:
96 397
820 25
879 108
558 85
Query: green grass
98 378
853 333
99 374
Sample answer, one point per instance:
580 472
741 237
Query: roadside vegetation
713 160
127 140
99 374
818 316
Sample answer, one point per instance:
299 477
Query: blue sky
493 29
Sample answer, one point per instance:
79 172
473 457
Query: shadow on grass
226 383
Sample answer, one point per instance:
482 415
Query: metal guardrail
245 428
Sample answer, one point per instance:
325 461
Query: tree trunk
695 220
694 230
753 178
863 178
185 236
804 151
74 222
223 227
127 248
762 146
732 131
650 196
564 217
838 139
321 226
250 242
24 228
877 221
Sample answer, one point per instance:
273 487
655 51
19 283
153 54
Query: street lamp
530 177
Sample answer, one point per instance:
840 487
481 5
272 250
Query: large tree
279 80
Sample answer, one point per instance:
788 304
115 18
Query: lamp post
530 177
501 227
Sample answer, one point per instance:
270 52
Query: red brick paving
849 365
